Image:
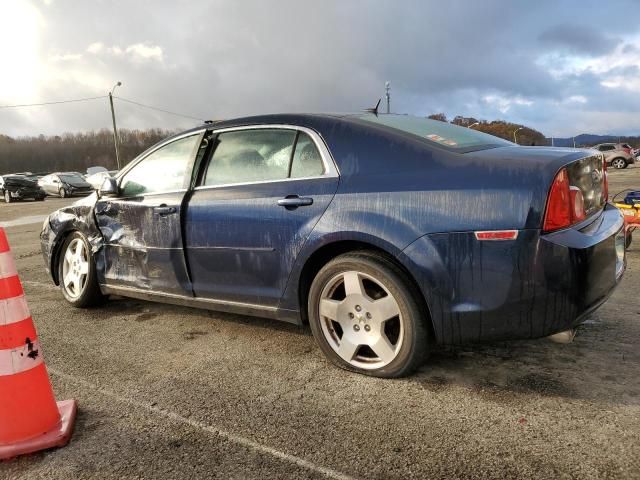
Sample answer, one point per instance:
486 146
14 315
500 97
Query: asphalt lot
172 392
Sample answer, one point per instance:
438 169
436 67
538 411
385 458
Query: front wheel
77 272
365 316
7 197
619 163
63 193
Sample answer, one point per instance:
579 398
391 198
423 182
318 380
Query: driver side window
166 169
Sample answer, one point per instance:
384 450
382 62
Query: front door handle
294 201
163 210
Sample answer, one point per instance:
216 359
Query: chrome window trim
152 194
330 167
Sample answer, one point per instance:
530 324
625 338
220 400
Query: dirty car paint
400 194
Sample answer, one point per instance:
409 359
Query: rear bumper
531 287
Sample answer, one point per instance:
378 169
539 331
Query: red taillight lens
558 214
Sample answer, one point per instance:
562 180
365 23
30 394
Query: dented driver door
141 226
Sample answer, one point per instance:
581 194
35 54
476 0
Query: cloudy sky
562 67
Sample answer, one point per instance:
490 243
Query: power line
53 103
75 100
159 109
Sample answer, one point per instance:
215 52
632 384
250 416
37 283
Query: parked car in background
65 184
92 170
20 187
97 179
618 155
386 233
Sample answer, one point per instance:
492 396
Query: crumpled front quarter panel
78 216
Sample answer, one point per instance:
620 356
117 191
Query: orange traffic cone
30 418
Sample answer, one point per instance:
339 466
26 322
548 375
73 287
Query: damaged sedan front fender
57 226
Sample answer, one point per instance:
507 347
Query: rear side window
307 161
604 148
441 133
259 155
250 156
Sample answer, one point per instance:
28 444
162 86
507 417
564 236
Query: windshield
440 133
71 178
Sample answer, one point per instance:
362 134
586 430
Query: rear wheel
365 316
77 272
619 163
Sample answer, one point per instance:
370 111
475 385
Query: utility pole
387 87
515 138
115 130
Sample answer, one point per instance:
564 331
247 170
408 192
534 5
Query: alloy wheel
618 163
75 268
361 320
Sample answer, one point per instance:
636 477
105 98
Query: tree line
499 128
78 151
74 151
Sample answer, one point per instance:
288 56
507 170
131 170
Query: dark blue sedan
385 233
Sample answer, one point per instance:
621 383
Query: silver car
618 155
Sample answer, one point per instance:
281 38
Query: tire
619 163
401 339
87 292
63 193
7 197
627 240
40 199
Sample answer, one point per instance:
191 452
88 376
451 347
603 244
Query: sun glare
19 25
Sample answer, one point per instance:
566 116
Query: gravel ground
171 392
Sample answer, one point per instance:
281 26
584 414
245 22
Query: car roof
274 118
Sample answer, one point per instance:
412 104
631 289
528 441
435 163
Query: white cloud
95 47
576 99
504 104
143 51
137 52
65 57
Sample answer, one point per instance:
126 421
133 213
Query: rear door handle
163 210
294 201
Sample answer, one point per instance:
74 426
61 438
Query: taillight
628 150
558 214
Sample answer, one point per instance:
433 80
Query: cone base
56 437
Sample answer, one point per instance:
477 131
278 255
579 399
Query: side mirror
109 188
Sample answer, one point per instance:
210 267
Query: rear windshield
440 133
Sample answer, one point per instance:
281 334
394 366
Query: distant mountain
589 139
